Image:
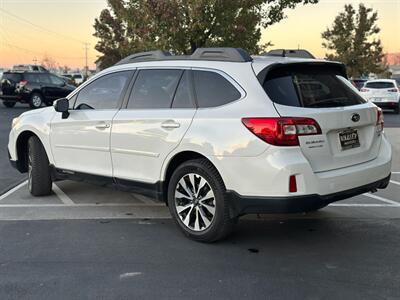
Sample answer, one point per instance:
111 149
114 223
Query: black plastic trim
153 190
296 204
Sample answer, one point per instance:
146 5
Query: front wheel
39 178
9 104
197 201
36 100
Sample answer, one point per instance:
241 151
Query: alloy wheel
195 202
36 101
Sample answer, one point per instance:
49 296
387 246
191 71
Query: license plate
377 99
349 139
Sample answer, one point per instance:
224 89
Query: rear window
310 86
13 77
379 85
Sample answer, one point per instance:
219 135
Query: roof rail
144 56
301 53
215 54
221 54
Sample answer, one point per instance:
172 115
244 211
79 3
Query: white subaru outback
215 135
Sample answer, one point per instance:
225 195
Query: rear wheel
397 109
9 104
39 179
36 100
197 201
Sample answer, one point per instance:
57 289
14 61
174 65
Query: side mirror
62 106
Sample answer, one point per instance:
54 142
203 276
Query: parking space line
13 190
363 205
144 199
382 199
82 205
62 196
395 172
395 182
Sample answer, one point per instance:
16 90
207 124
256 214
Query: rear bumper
20 97
387 105
295 204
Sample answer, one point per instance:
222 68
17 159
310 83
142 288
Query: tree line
181 26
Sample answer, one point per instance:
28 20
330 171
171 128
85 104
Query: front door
81 142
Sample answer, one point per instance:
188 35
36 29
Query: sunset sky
32 29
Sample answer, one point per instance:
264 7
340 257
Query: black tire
221 224
9 104
39 179
36 100
397 109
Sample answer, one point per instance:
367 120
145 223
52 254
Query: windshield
310 86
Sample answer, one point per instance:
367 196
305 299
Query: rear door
159 112
347 121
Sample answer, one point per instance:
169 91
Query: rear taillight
393 90
282 131
379 121
22 83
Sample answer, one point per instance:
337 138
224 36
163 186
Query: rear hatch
9 83
321 91
380 91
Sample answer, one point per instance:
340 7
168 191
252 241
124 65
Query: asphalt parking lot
91 242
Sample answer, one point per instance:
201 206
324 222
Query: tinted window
77 76
380 85
56 80
44 78
32 78
154 89
213 90
103 93
183 95
310 86
13 77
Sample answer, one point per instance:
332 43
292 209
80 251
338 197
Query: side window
56 80
44 78
103 93
154 89
183 96
32 78
212 89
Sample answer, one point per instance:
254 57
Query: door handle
103 126
170 124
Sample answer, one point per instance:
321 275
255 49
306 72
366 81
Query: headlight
14 122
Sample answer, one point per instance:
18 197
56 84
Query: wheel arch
176 160
21 146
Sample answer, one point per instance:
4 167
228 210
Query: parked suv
383 92
215 135
35 88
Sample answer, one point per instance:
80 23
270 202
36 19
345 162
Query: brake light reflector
379 121
282 131
292 184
